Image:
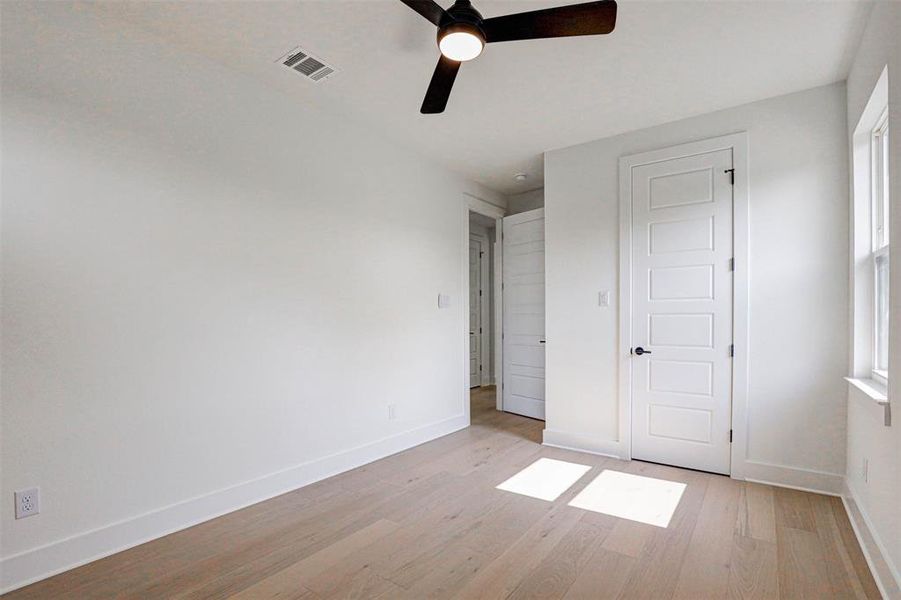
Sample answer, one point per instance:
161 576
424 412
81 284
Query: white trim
499 312
39 563
483 207
887 577
871 392
738 143
878 176
624 334
808 480
873 388
794 487
862 284
477 205
882 253
582 442
464 301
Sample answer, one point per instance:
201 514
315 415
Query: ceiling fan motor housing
464 19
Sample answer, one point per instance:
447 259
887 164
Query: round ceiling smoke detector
520 177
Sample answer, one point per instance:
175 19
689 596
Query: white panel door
524 314
682 311
475 313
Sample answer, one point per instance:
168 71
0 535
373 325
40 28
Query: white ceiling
665 61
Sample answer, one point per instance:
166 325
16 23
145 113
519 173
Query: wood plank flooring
429 523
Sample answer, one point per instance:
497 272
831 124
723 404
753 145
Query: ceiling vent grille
312 68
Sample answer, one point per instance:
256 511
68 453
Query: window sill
872 388
877 392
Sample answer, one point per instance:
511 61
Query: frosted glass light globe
460 46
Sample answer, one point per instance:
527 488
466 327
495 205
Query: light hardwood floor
429 523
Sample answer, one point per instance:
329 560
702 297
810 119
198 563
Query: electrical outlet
392 412
604 299
28 502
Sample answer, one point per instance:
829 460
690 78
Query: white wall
879 496
526 201
194 304
798 291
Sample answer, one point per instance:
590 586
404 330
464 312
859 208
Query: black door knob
639 351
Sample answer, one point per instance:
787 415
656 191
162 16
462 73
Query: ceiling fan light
461 44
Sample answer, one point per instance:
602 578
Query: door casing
478 205
738 143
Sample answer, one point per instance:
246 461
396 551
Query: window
870 219
879 144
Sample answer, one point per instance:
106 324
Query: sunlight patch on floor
633 497
545 479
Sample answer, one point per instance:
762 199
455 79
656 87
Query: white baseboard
807 480
581 442
39 563
887 575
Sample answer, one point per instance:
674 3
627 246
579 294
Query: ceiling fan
463 33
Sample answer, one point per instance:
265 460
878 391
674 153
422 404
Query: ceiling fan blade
590 18
428 9
440 86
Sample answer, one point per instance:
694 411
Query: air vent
312 68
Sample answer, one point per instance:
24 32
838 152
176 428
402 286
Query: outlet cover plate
28 502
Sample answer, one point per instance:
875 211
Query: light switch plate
604 298
443 300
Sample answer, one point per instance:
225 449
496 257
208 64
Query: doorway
481 319
503 261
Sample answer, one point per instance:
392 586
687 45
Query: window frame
880 375
879 182
879 214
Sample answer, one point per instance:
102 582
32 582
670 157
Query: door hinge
481 254
731 173
730 436
480 330
480 292
731 264
731 350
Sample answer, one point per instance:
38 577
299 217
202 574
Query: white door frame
498 294
485 208
738 143
484 308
